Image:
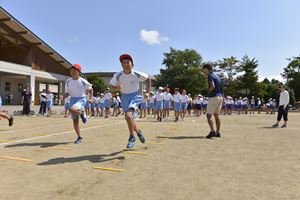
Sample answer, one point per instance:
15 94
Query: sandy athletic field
250 161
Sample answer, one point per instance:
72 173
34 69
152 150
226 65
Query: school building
26 60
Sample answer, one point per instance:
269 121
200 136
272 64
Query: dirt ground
250 161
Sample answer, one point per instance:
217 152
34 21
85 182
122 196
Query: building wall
32 57
44 62
18 55
14 89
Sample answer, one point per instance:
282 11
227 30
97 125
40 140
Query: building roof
22 31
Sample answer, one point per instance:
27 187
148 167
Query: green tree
227 69
248 81
292 74
182 70
99 84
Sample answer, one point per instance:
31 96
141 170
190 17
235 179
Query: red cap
125 56
76 66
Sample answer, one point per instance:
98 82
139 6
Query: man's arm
211 86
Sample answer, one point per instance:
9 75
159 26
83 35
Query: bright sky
95 32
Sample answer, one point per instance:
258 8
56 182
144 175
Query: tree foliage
292 74
249 79
182 70
99 84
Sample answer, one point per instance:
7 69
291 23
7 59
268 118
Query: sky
94 33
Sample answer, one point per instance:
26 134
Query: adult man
215 101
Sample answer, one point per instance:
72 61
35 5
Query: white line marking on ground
55 134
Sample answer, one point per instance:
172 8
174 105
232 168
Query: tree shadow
41 144
92 158
182 137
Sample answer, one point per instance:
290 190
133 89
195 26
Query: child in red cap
77 87
127 81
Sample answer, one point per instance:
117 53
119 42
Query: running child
6 116
77 88
127 81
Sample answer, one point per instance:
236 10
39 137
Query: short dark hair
208 66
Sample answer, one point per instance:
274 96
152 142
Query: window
7 86
20 87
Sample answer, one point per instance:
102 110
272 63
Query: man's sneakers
275 126
83 117
79 140
140 135
10 121
213 134
283 126
131 142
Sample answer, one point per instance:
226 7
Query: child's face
74 73
126 65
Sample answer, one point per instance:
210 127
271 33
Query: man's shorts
214 105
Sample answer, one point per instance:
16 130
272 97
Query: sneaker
10 121
78 141
130 143
211 134
141 136
275 126
176 119
83 118
218 135
283 126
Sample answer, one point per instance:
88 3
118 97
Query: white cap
160 88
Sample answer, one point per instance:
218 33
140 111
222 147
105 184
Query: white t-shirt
151 99
177 97
184 98
101 100
129 83
49 96
159 96
168 96
77 88
107 95
198 101
43 96
284 99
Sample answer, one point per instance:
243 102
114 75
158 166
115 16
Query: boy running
127 81
77 88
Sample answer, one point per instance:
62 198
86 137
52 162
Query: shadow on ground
92 158
182 137
42 145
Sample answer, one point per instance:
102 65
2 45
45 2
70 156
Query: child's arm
91 92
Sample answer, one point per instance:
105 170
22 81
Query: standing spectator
108 100
215 101
26 101
283 108
43 103
49 97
